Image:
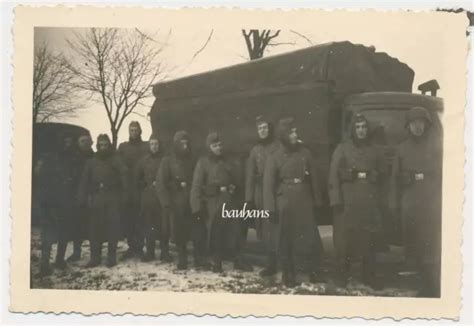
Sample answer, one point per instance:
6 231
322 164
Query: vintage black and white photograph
242 159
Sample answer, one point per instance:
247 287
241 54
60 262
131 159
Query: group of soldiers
157 197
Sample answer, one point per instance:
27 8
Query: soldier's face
293 136
361 129
154 145
417 127
216 148
134 132
84 143
263 130
103 146
183 145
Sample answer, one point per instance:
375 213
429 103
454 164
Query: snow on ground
133 274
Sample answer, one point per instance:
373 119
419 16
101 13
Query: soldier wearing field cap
265 147
416 185
215 185
174 184
355 173
291 194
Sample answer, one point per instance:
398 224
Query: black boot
182 258
111 254
96 252
61 252
289 276
201 263
150 251
217 266
45 269
241 265
60 264
271 267
111 260
165 254
369 276
76 254
94 262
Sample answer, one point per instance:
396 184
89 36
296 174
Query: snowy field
133 274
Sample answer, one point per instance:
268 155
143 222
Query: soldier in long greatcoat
214 188
104 186
416 191
55 174
152 220
291 193
80 223
265 147
355 173
174 185
131 152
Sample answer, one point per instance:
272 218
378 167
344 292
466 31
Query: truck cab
386 112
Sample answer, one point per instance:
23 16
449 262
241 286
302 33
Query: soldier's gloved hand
274 218
197 216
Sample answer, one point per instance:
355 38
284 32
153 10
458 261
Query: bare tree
259 40
118 68
53 90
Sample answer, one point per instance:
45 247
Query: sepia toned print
306 163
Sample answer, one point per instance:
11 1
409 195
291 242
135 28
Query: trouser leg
165 229
199 238
62 243
47 233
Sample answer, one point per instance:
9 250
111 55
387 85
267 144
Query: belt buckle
419 176
297 180
362 175
223 189
183 184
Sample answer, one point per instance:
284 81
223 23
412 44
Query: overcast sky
418 48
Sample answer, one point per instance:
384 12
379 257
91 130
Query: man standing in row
151 218
416 189
254 189
131 152
80 221
214 187
54 174
355 172
174 184
292 196
104 186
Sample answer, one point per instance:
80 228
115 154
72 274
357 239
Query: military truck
320 86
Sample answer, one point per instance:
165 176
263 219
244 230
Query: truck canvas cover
309 84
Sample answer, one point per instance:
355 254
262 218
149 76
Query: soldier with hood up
151 217
265 147
355 172
174 185
131 152
214 187
103 187
291 193
416 185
